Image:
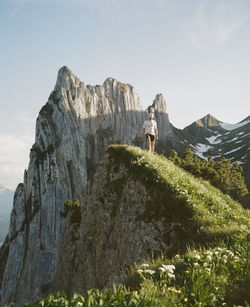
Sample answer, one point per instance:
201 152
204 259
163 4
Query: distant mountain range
209 136
6 203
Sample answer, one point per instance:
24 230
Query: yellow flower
178 291
216 288
185 300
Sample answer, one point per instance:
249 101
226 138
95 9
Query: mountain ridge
73 130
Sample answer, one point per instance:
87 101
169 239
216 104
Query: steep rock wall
73 130
113 234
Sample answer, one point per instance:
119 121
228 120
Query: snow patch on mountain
236 149
201 149
234 126
248 134
214 139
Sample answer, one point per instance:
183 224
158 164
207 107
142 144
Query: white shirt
150 126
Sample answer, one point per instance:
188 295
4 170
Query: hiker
150 129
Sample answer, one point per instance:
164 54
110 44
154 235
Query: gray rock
113 233
73 130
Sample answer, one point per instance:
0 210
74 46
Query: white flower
208 270
151 272
196 264
225 260
197 257
209 257
145 265
169 268
162 269
177 256
140 271
171 275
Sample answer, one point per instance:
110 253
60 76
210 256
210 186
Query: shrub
222 174
75 212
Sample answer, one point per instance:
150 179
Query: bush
222 174
75 212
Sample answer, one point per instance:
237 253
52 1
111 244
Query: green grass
203 213
209 263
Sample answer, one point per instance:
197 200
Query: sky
194 52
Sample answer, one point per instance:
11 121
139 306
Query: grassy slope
204 212
212 266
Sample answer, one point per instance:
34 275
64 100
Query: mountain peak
209 121
159 104
66 79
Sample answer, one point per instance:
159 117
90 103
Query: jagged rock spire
73 130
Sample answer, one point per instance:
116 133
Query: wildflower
178 291
177 256
145 265
162 269
185 300
197 257
196 264
171 275
140 271
187 272
209 257
169 268
216 288
207 269
151 272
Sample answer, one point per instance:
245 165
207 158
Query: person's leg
152 139
149 144
148 139
152 146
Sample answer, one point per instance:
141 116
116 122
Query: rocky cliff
114 231
73 131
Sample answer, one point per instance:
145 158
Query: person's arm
143 134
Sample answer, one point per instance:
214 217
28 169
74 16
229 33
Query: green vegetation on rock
222 174
75 213
209 262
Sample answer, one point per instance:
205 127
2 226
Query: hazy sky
195 52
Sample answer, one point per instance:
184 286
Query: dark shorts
151 137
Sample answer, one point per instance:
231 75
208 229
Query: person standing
150 131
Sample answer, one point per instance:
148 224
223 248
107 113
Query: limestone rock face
113 232
161 116
73 131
